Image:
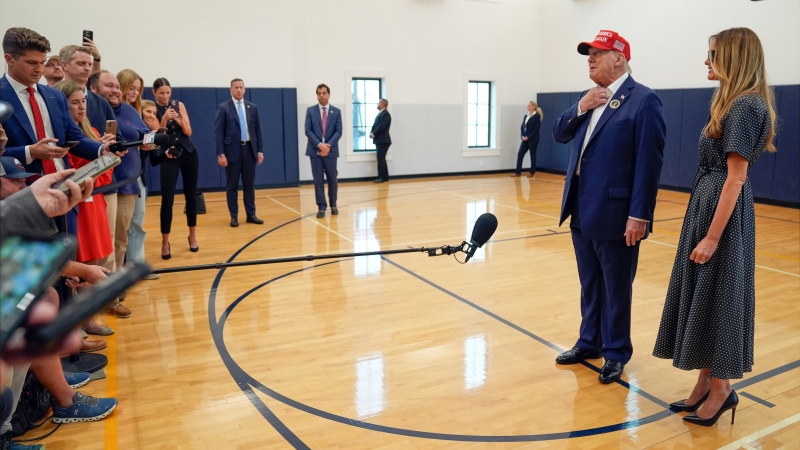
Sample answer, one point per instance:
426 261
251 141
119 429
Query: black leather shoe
334 211
730 403
576 355
611 371
255 220
234 222
320 214
378 180
681 406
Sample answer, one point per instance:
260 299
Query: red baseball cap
607 40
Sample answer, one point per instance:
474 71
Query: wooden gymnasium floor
407 351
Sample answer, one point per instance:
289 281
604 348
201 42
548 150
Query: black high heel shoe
192 249
169 253
681 406
730 403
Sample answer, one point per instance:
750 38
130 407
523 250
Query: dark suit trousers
244 167
524 146
188 165
606 270
322 168
383 169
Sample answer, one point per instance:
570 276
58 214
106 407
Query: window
479 107
366 94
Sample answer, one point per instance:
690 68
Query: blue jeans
136 232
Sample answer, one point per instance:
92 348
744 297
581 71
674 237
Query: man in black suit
380 137
237 132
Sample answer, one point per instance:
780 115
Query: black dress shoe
320 214
681 406
611 371
192 249
234 222
334 211
730 403
576 355
255 220
378 180
169 253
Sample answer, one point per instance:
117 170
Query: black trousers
524 146
383 169
244 167
188 165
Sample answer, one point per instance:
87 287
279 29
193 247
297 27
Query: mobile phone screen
27 267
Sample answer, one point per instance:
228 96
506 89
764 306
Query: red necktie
324 120
48 164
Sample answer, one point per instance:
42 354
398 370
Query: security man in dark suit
380 137
237 132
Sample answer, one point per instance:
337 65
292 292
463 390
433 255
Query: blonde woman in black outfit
181 157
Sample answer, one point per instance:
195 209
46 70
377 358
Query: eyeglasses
711 55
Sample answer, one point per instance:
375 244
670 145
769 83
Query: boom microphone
149 139
484 229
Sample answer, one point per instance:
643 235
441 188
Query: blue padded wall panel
291 163
201 106
270 107
556 155
673 112
694 117
786 180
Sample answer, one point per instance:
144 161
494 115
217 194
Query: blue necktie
242 121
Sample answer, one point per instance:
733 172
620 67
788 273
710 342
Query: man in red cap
616 133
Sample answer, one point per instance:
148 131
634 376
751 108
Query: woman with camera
181 157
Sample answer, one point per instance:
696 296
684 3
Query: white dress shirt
25 99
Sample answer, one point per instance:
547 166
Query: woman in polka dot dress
709 312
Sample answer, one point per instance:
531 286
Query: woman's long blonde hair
538 110
126 77
739 65
69 88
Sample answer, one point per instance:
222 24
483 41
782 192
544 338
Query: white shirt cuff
638 219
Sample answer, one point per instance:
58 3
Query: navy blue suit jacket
621 165
380 128
531 129
333 130
21 131
227 132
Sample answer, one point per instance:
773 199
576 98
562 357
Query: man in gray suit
323 130
381 139
237 132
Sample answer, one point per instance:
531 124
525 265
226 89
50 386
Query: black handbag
201 203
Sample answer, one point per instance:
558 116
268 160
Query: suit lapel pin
622 97
614 104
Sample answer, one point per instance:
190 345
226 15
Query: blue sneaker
84 409
76 380
16 446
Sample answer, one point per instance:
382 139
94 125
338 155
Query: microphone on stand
149 139
483 230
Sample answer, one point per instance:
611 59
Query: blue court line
247 383
757 399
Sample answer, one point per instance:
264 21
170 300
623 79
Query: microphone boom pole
431 251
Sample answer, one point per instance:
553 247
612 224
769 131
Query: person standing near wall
381 138
617 133
237 134
529 130
323 129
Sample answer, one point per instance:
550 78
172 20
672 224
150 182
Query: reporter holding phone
180 157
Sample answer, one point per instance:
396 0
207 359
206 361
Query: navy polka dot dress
709 313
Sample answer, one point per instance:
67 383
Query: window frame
349 75
494 115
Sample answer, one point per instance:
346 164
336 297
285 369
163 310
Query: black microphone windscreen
161 139
484 229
